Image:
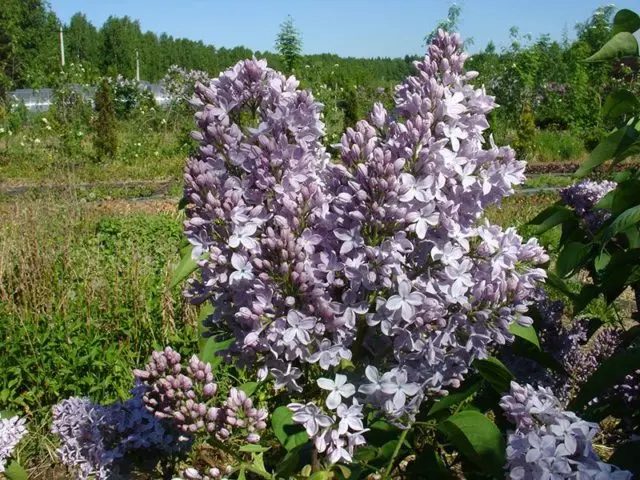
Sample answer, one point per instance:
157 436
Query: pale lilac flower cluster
107 441
549 442
11 432
190 400
583 196
381 259
180 82
339 432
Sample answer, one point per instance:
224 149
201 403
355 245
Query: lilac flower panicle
99 440
309 261
549 442
583 197
12 430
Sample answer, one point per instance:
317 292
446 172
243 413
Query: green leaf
205 310
623 197
289 464
211 348
572 257
454 398
618 103
624 221
241 475
550 217
290 434
429 464
495 373
626 457
183 203
478 439
559 284
625 21
14 471
321 476
601 261
622 44
528 334
587 294
249 388
253 448
258 461
608 374
186 266
613 146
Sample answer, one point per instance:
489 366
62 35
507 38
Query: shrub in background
106 125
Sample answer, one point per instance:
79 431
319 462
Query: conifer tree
106 135
289 44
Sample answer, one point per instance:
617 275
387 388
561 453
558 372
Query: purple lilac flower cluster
103 441
180 82
549 442
11 432
378 259
556 339
583 196
190 401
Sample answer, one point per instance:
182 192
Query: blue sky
363 28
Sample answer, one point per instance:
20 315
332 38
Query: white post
137 66
61 46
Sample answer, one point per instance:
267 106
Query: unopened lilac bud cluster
583 196
549 442
381 259
189 399
239 412
11 432
105 441
211 473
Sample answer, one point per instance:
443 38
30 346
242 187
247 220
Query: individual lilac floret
583 196
549 442
11 432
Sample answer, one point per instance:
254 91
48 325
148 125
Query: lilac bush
180 82
12 430
380 260
549 442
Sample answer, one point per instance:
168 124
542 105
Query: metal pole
137 66
61 46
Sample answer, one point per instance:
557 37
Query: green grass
36 155
84 298
548 180
554 146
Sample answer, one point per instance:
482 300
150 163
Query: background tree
120 38
449 24
289 44
82 40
